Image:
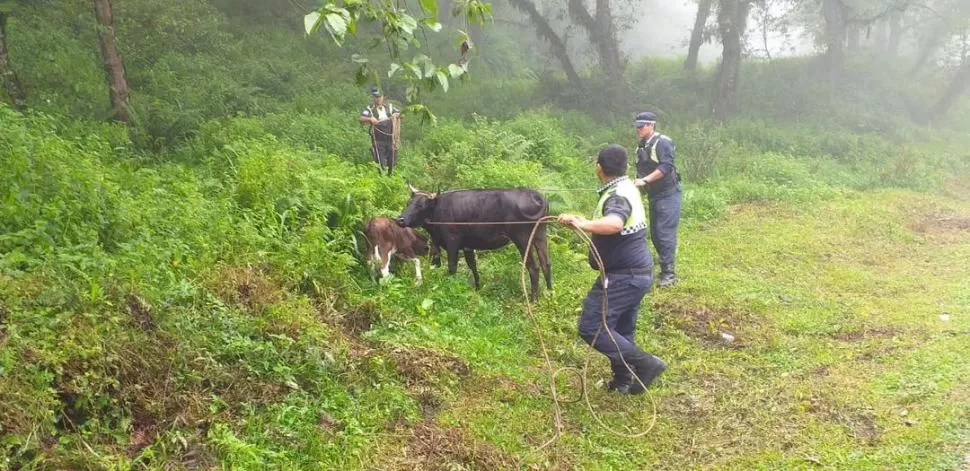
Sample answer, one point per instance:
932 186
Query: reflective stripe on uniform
387 109
625 188
653 149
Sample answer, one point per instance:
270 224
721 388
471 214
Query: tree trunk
113 64
964 47
953 93
731 21
928 46
697 34
609 47
895 34
835 33
602 34
10 81
544 30
853 37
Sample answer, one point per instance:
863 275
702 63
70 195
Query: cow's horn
413 189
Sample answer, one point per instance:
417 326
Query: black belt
630 271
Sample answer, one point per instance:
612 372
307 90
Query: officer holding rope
618 228
384 121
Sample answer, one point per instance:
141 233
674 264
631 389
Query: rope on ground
583 374
554 373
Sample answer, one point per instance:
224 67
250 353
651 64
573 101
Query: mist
663 29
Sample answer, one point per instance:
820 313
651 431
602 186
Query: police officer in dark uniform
657 175
383 120
618 228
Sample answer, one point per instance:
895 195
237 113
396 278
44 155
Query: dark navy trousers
624 293
664 220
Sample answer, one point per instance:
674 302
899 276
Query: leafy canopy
398 33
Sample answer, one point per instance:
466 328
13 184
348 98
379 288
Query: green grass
841 356
216 313
189 292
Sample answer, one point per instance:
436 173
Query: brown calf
388 238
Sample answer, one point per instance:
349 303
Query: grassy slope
841 356
249 358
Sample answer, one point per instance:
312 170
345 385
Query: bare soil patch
433 447
249 288
942 227
866 334
715 327
426 366
141 312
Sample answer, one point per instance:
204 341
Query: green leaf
394 68
431 24
412 92
311 22
463 38
362 75
337 22
427 303
423 112
456 70
428 68
408 24
442 79
359 59
430 7
415 70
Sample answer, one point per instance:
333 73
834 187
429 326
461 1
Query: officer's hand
640 182
569 220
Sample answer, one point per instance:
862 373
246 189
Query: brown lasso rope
582 374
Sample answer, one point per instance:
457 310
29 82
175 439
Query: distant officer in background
657 176
384 121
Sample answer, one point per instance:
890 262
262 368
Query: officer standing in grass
657 176
384 121
618 228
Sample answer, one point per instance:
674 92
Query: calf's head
419 208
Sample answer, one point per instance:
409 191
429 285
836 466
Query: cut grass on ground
841 357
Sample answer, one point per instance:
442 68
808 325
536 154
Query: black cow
432 212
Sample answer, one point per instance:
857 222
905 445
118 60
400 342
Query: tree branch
544 30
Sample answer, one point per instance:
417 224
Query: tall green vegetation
191 290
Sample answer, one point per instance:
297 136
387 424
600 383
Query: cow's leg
435 255
386 263
542 253
520 243
417 268
452 250
472 265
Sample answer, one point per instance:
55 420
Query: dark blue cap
644 119
374 91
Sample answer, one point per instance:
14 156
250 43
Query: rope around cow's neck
554 373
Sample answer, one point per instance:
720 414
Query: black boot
621 380
619 386
647 369
667 276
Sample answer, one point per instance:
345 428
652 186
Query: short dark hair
613 160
